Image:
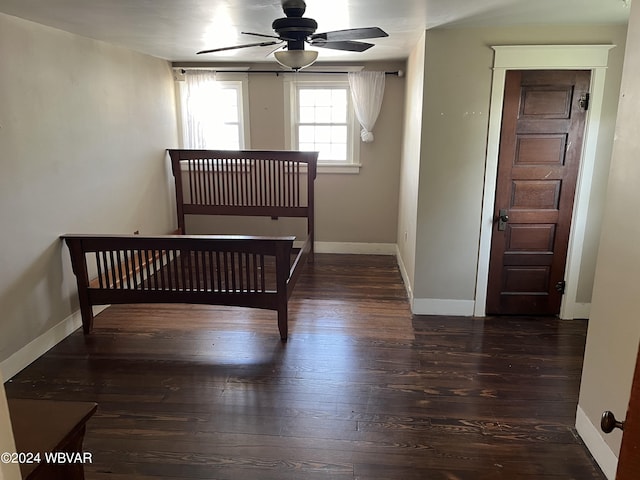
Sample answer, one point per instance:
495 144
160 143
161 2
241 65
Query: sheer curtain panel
367 91
195 105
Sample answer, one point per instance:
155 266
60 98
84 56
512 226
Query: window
322 120
213 112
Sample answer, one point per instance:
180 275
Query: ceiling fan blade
350 34
284 39
259 35
259 44
346 45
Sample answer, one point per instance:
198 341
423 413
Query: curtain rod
399 73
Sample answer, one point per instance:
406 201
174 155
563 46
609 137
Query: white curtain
197 104
367 90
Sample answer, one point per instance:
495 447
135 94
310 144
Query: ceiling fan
296 30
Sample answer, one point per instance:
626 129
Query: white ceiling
176 29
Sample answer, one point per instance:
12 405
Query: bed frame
213 270
246 271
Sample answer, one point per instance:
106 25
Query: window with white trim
213 112
322 120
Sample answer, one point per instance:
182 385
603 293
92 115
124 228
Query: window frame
291 114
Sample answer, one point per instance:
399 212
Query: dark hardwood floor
362 390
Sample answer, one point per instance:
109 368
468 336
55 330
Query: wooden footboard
216 270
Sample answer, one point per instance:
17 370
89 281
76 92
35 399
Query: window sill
348 168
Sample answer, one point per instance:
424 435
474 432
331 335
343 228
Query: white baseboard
578 310
599 449
40 345
405 275
356 248
439 306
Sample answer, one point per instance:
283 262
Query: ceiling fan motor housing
294 30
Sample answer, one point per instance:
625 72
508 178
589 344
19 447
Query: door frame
544 57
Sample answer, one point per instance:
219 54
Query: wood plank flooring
362 390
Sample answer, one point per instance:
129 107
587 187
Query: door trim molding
543 57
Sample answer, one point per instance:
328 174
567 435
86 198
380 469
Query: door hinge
584 101
560 287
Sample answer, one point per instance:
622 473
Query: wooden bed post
283 259
79 266
177 174
311 177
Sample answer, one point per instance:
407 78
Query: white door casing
544 57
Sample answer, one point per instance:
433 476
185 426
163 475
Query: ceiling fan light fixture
296 59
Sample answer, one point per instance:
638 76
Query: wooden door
629 460
543 123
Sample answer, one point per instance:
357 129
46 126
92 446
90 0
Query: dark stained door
629 460
543 124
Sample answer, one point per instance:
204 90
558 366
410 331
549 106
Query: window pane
307 97
323 134
228 105
223 137
339 134
324 152
339 114
306 134
213 114
307 114
322 117
307 147
230 135
228 113
339 97
338 151
228 96
323 114
323 96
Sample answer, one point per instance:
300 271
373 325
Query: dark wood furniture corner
43 426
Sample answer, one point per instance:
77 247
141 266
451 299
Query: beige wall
83 128
350 208
410 168
364 207
457 90
614 327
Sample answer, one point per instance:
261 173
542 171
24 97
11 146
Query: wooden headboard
245 183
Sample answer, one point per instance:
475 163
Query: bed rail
205 269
